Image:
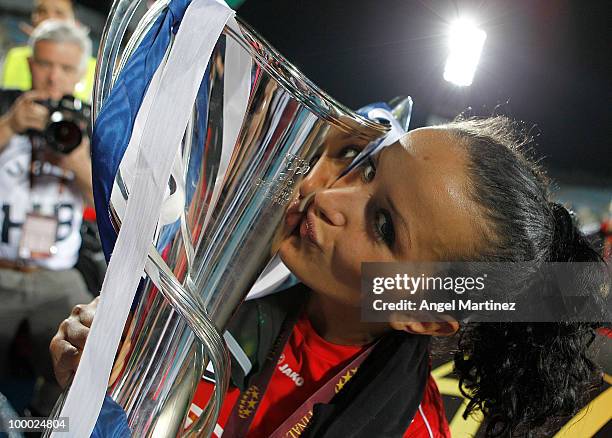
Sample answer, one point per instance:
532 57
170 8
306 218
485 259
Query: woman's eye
349 152
368 171
383 227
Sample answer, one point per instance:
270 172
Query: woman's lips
296 211
293 216
307 228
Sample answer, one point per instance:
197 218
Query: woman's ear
439 325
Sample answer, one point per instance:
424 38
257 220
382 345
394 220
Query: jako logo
287 371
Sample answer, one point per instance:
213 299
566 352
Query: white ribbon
158 130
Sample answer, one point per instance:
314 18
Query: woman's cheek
346 265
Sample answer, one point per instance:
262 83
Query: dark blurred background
545 62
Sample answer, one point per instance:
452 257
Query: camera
68 119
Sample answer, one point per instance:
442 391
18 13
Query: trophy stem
57 408
190 307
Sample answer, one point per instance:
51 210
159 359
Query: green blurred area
234 4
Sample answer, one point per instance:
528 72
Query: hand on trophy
68 343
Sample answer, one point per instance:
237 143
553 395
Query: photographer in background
15 72
45 178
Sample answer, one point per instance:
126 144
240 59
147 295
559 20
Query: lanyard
298 421
245 408
248 403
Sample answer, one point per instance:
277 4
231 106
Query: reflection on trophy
221 216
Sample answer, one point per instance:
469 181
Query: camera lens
65 135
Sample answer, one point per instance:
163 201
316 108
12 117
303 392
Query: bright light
465 44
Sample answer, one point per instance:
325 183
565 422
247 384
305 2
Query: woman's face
410 203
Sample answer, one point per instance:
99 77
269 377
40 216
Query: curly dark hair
522 375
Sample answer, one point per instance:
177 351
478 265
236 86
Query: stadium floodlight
465 46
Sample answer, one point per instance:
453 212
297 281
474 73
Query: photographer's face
55 68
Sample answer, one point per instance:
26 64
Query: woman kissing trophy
202 133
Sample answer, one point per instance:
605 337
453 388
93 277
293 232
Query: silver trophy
220 227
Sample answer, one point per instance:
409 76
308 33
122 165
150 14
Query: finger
60 348
449 325
34 95
93 304
64 376
86 312
72 331
37 125
38 110
61 330
409 317
76 310
32 115
76 333
34 122
37 114
66 359
87 316
60 351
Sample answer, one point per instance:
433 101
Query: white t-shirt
48 197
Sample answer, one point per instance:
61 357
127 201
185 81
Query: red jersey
307 362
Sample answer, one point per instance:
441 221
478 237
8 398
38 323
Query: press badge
38 235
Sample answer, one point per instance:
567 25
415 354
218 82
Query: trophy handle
402 110
211 347
191 308
107 67
116 24
57 408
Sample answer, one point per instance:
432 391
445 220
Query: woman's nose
321 176
344 200
327 206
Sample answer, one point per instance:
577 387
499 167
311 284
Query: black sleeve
7 98
382 398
